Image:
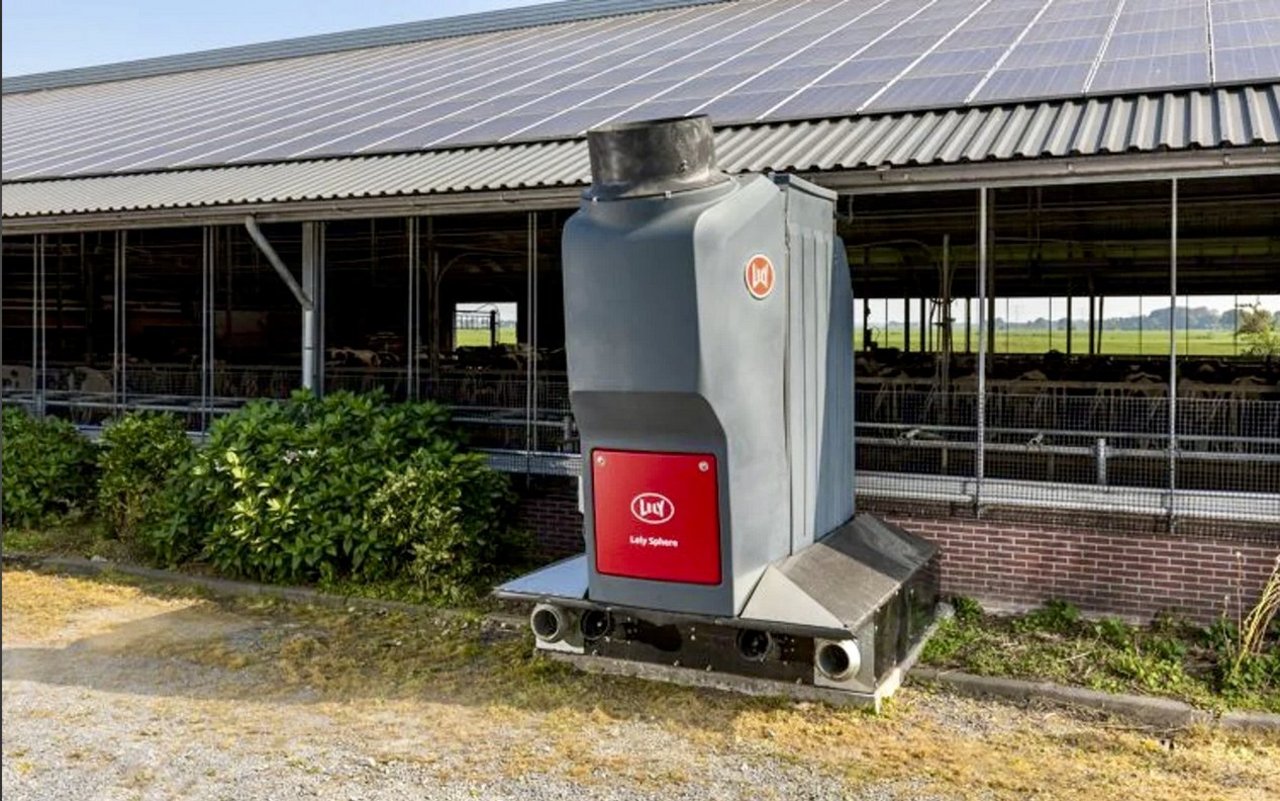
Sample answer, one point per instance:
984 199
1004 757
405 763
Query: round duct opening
595 623
839 660
548 622
754 645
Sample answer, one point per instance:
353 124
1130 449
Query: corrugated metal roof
463 25
1222 118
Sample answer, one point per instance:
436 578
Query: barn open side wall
204 323
1096 427
196 321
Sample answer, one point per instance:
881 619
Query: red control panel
657 515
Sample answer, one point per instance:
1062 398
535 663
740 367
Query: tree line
1245 319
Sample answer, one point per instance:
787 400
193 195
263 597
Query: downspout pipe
260 239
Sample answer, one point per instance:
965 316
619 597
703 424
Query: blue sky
43 35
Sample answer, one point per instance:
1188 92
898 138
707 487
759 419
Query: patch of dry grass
466 701
39 606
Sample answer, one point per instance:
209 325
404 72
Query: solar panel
1120 74
1032 82
1165 42
1246 39
739 62
1248 63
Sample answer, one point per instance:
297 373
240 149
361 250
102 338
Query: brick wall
1112 566
1022 564
549 509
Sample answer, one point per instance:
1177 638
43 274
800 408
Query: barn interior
466 309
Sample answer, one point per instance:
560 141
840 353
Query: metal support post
1173 351
208 238
1100 458
411 324
968 325
39 356
979 455
1092 323
531 335
312 294
1069 321
924 328
906 325
120 349
433 286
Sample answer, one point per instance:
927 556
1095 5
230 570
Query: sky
45 35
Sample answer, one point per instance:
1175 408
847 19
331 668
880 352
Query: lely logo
652 508
759 276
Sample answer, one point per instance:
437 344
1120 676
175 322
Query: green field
479 337
1127 343
1119 343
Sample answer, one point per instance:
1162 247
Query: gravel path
114 693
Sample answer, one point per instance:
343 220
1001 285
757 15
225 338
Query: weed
966 609
1055 643
1059 617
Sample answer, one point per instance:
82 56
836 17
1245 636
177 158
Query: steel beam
312 291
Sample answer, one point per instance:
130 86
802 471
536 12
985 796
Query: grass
1055 643
71 537
86 539
479 338
39 606
1119 343
429 688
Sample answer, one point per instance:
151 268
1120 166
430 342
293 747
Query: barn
1062 221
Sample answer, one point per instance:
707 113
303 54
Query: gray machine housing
668 352
666 356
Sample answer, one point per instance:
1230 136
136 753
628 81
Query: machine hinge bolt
600 461
704 466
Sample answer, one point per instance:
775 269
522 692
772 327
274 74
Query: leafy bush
138 454
282 489
1056 616
449 516
178 518
48 468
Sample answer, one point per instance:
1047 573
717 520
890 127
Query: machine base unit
841 620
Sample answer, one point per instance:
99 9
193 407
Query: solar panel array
746 61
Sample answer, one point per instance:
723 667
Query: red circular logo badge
760 276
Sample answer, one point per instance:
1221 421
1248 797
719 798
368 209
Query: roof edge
402 33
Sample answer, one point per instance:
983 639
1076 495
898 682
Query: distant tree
1260 330
1253 319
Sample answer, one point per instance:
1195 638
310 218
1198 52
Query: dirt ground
115 691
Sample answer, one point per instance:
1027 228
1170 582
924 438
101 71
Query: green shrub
178 518
1060 617
449 517
137 456
48 468
282 489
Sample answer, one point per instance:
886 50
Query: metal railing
1105 452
